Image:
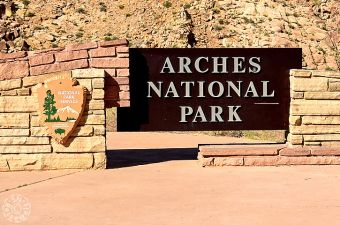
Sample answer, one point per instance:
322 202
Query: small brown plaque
61 105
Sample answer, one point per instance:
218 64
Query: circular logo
16 208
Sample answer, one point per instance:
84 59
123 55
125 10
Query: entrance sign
209 89
61 105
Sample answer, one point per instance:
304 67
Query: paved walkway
175 191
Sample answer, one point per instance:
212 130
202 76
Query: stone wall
102 68
314 132
315 108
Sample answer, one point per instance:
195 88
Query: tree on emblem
49 108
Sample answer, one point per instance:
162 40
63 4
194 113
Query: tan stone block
19 162
24 92
81 144
24 141
9 93
98 112
68 161
322 95
314 143
98 94
300 73
3 164
99 160
33 80
93 119
25 149
10 84
321 120
315 129
325 137
98 83
13 120
315 107
18 104
330 143
295 120
261 160
99 130
14 132
39 132
35 121
88 73
85 83
334 86
228 161
13 70
295 139
323 73
205 161
306 84
297 95
96 105
82 131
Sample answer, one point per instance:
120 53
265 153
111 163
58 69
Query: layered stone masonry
112 56
24 140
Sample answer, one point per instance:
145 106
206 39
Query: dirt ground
167 186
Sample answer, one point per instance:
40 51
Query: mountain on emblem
61 105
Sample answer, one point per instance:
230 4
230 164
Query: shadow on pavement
134 157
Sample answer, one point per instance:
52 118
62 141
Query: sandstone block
14 120
124 103
98 94
113 43
69 161
10 149
123 55
239 150
88 73
81 144
315 107
295 120
205 161
99 130
261 160
315 129
18 104
323 73
3 165
123 72
98 83
82 46
314 143
13 70
110 72
324 137
124 95
9 93
24 92
41 59
14 132
334 86
96 105
33 80
93 119
24 141
295 139
58 67
14 55
87 83
305 84
330 143
102 52
82 131
321 120
99 161
10 84
297 95
301 73
39 132
313 160
98 112
123 49
303 151
71 55
324 151
322 95
19 162
228 161
109 62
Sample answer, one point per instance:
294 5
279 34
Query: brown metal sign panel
209 89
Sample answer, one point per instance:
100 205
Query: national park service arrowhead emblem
61 105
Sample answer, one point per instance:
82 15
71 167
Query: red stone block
71 55
261 160
13 70
123 49
124 103
109 62
113 43
82 46
102 52
14 55
41 59
122 80
123 72
300 151
110 72
124 95
57 67
124 87
324 151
